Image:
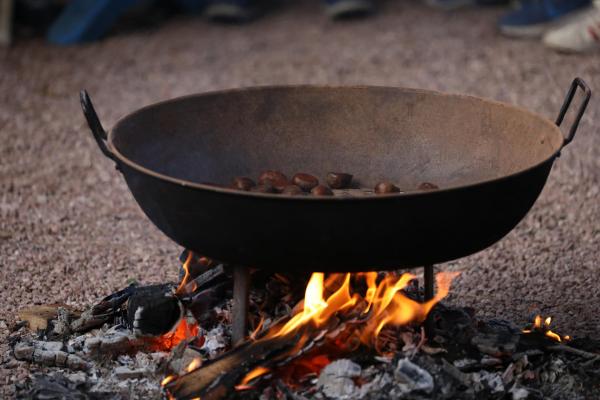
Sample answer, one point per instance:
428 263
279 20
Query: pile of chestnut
303 184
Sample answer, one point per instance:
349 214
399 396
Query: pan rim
230 191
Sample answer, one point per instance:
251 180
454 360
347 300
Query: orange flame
255 373
383 304
545 329
384 301
186 268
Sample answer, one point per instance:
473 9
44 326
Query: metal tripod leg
428 272
241 292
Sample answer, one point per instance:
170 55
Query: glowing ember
255 373
168 379
195 364
183 331
545 329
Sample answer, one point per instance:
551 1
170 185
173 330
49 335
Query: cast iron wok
490 160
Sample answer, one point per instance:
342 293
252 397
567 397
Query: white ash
215 340
487 380
519 393
464 363
335 379
123 372
49 354
376 385
410 377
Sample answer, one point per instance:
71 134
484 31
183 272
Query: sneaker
581 35
532 18
231 10
448 5
348 8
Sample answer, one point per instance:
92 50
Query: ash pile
354 339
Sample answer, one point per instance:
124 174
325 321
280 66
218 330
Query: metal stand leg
6 17
428 272
241 290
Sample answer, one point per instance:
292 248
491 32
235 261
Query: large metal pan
491 160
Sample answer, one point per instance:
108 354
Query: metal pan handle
95 125
577 83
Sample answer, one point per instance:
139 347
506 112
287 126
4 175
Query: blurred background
70 231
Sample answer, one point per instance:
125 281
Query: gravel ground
70 231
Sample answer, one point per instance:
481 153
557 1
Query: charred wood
215 379
153 310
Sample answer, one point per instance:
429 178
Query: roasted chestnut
321 190
338 180
277 179
386 187
242 183
292 190
305 181
428 186
266 187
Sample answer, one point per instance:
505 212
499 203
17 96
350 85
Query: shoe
448 5
233 11
581 35
87 20
532 18
347 8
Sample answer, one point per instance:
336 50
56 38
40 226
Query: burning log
215 379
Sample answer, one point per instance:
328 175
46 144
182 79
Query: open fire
381 303
345 336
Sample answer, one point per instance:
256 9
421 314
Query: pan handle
95 126
577 83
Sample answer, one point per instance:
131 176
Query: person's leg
347 8
456 4
580 35
532 18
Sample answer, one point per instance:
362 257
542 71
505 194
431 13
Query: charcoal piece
202 304
496 345
153 310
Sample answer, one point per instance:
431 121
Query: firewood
102 312
215 379
37 317
153 310
206 279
